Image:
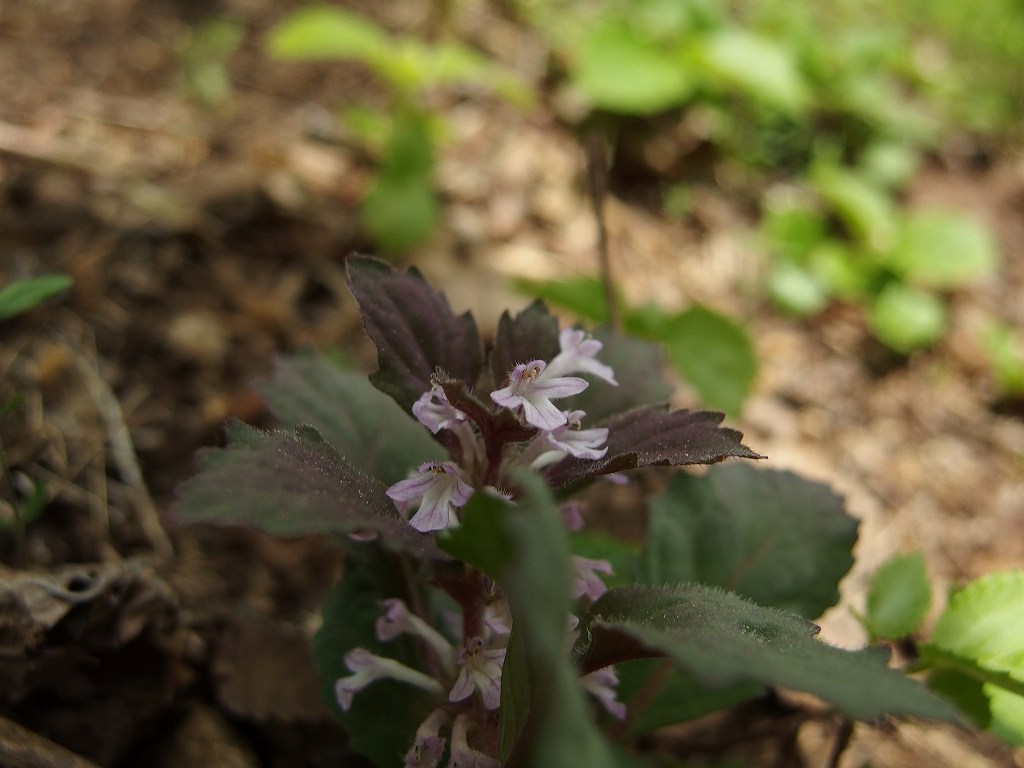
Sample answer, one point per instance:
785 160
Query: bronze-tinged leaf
653 436
414 329
294 484
532 335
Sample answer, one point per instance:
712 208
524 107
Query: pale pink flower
497 618
398 618
572 517
463 755
481 669
577 356
530 390
434 411
428 747
442 490
368 668
601 684
585 580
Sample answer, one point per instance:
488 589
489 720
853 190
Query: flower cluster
470 669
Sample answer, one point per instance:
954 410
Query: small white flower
463 755
585 580
442 489
577 356
498 618
530 390
367 668
428 748
438 415
601 684
570 440
481 669
398 618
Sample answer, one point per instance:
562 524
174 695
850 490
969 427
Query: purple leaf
414 329
285 484
533 335
651 435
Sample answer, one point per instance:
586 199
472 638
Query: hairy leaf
384 716
525 547
637 366
532 335
721 638
652 436
365 426
899 598
414 329
289 485
770 536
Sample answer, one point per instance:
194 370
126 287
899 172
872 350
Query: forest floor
204 242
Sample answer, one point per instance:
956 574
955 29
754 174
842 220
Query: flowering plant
475 624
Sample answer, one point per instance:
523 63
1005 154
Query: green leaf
890 164
583 295
637 366
867 211
758 67
383 718
35 504
328 32
401 209
965 691
719 637
714 354
899 598
289 485
906 319
797 290
678 697
1005 356
365 426
622 72
22 295
984 624
771 536
524 545
840 270
794 230
943 250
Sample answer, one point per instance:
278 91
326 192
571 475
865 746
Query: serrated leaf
943 250
678 697
719 637
22 295
906 319
525 546
758 67
532 335
713 353
899 597
364 425
622 72
328 32
582 295
383 718
414 329
637 366
289 485
770 536
652 436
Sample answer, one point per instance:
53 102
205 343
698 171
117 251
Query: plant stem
597 171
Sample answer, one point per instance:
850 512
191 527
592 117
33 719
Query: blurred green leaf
11 405
770 536
867 211
797 290
22 295
889 164
713 353
758 67
793 231
899 598
622 72
1005 356
906 319
623 555
328 32
372 128
943 250
214 40
967 692
583 295
841 271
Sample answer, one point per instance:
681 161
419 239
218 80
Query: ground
205 241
